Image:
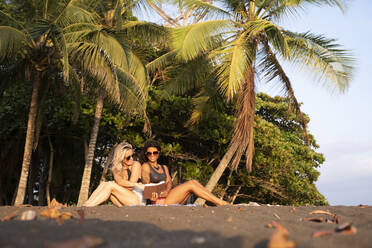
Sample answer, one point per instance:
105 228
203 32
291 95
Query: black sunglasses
129 157
148 154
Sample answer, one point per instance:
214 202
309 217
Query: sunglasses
129 157
156 153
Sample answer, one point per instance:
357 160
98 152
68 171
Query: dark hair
149 143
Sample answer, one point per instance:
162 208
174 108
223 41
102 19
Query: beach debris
82 242
240 209
280 238
321 212
198 240
229 219
364 206
344 229
269 225
10 216
28 215
55 204
277 216
336 219
314 219
81 213
292 210
249 204
322 233
55 214
24 205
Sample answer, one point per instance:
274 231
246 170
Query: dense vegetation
71 59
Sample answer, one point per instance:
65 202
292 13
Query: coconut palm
106 49
254 44
40 47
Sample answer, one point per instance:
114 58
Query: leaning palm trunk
30 134
242 140
84 189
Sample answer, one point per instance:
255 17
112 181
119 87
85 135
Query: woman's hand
164 194
154 196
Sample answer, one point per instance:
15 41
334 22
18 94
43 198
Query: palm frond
162 61
98 65
188 76
11 41
72 13
271 69
147 31
206 7
323 56
235 58
190 41
277 9
133 94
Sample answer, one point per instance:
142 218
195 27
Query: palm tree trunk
84 189
29 140
236 194
242 139
51 160
218 172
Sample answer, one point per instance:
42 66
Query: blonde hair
119 151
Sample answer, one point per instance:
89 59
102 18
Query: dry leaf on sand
336 219
55 204
51 213
364 206
55 214
344 229
82 242
10 216
229 219
321 212
280 238
314 219
277 216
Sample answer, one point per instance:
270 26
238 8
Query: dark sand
185 226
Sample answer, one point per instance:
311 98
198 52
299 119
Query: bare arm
122 181
135 172
169 179
145 173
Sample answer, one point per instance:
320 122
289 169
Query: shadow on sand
40 233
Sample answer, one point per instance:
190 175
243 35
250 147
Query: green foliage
284 167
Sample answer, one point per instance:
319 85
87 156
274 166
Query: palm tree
106 49
41 48
254 44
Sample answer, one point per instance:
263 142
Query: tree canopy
196 92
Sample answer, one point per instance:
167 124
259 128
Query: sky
340 122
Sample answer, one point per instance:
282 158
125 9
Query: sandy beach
187 226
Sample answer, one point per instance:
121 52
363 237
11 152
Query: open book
154 187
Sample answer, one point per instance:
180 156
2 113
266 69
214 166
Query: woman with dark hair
153 172
126 172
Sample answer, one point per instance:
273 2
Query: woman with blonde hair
122 191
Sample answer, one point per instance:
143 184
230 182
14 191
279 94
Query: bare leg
99 195
104 191
115 201
180 193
